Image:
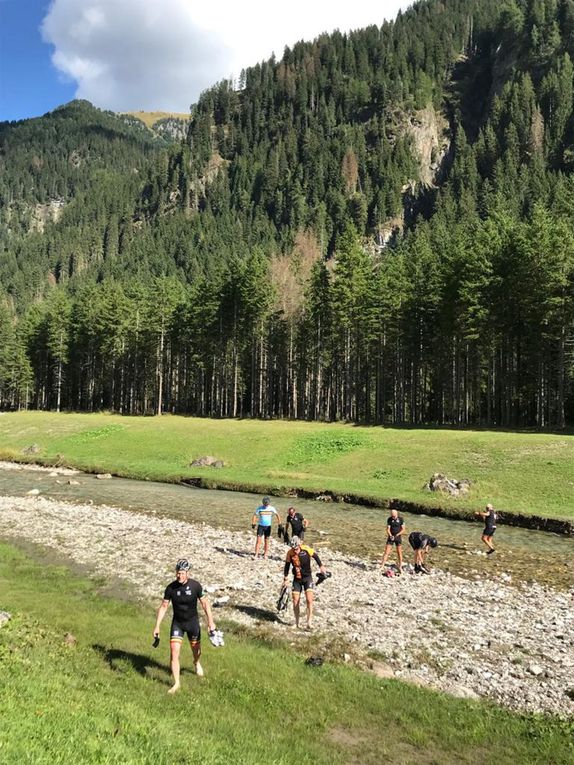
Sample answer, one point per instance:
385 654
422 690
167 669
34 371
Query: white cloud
160 54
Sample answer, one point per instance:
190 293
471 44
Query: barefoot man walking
183 594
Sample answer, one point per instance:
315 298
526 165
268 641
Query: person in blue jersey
263 520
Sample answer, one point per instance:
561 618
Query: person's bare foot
199 670
174 688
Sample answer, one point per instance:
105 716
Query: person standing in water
490 519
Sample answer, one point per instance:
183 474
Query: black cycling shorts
191 628
303 584
395 540
264 531
489 531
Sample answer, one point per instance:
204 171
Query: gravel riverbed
470 638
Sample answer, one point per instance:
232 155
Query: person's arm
161 612
401 530
305 523
286 568
255 519
481 515
278 518
205 604
389 532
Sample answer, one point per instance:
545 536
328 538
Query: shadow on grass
258 613
142 664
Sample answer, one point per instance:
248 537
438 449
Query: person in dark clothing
299 559
395 531
184 594
421 544
490 519
298 525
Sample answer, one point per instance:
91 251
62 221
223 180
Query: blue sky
127 55
29 84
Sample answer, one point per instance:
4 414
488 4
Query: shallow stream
521 554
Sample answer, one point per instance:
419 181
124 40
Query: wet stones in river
207 461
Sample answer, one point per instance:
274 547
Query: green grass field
518 471
103 699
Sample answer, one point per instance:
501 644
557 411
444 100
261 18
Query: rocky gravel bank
471 638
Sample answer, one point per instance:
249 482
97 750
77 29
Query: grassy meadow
518 471
100 697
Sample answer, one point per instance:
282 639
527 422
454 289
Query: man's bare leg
309 597
175 648
400 557
257 545
296 607
266 548
386 554
487 542
196 651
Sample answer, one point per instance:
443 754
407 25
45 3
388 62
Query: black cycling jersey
301 562
296 522
490 520
184 599
395 525
418 540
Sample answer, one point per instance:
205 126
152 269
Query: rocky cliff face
431 136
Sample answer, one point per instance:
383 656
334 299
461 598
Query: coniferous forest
378 227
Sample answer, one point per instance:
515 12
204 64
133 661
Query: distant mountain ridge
402 195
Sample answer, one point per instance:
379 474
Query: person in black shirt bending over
183 594
298 525
395 531
421 543
489 527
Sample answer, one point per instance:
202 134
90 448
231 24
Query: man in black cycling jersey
395 531
298 524
183 594
299 558
421 544
489 527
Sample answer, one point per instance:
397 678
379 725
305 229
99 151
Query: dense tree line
243 273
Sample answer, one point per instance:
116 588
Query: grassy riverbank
521 472
103 698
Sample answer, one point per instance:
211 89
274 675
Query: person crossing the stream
184 594
490 518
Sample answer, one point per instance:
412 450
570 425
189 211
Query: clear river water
521 553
